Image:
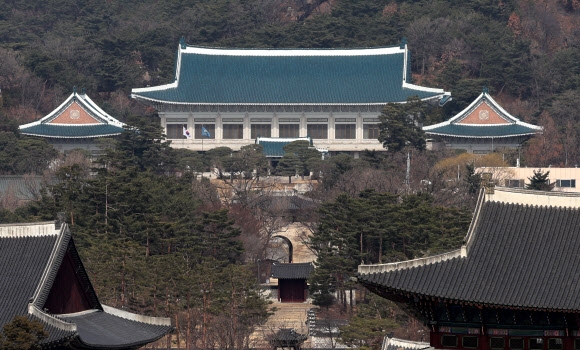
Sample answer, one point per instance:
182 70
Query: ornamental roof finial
485 90
182 43
74 89
403 43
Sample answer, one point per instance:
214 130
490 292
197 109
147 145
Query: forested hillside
526 51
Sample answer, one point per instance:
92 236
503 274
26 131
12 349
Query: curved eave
421 295
117 329
154 100
70 137
480 137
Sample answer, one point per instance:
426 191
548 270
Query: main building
229 97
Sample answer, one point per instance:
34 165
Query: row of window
503 343
236 131
559 183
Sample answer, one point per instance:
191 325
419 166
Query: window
470 342
317 131
263 130
209 127
449 341
536 343
370 131
289 130
576 344
345 131
233 131
515 183
516 343
566 183
555 344
497 343
175 131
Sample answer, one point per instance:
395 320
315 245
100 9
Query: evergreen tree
400 125
22 334
540 181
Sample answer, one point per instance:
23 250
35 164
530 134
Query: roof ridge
54 261
159 321
51 320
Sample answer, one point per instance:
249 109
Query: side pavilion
481 128
77 123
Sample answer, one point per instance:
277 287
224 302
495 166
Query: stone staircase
287 315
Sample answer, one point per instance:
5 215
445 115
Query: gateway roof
292 271
31 257
77 117
517 254
483 118
289 76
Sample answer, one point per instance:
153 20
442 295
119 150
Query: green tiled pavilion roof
103 124
237 76
454 128
71 131
492 131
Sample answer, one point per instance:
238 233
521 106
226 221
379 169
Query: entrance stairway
287 315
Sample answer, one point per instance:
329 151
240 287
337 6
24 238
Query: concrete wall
501 174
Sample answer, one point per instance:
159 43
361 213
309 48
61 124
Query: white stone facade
361 140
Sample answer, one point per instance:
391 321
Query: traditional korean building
333 96
76 124
43 278
512 285
481 128
292 281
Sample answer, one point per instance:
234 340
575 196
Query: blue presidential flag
204 132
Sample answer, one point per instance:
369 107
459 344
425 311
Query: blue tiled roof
495 131
287 79
273 148
70 131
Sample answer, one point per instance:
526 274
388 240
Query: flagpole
202 137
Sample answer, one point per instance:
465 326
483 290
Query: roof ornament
485 90
83 91
182 43
403 43
74 93
60 219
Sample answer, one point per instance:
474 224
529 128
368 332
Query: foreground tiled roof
289 76
292 271
517 255
483 118
99 329
30 258
77 117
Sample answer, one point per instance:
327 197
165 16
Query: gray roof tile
521 256
292 271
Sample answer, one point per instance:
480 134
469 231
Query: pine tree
540 181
